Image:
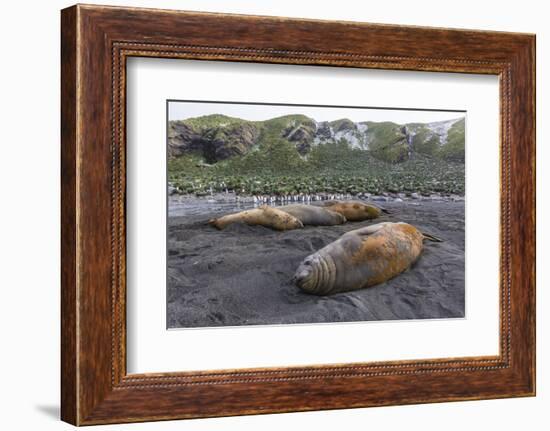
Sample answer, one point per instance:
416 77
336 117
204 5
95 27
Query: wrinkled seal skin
354 210
360 258
313 215
263 216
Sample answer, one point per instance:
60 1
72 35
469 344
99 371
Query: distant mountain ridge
218 137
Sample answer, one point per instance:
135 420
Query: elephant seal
313 215
264 216
361 258
355 210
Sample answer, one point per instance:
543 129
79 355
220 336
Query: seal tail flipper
430 237
385 211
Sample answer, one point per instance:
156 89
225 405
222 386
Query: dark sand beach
242 275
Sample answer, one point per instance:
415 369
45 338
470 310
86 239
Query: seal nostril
301 276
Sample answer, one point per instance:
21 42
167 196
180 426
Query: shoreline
317 197
187 204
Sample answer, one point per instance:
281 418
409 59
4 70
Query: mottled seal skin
355 210
314 216
264 216
361 258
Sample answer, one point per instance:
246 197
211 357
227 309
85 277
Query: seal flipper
430 237
367 230
215 222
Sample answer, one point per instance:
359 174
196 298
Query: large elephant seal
361 258
313 215
355 210
264 216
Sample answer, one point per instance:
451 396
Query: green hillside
294 154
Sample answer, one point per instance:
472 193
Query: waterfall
409 137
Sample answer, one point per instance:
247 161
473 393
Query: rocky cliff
219 137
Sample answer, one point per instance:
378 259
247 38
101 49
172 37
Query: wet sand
242 275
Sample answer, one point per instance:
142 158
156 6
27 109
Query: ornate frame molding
96 41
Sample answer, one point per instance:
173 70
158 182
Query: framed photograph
264 214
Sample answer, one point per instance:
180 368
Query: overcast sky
183 110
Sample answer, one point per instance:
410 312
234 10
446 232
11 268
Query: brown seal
355 210
361 258
264 216
314 215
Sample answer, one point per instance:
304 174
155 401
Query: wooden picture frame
95 43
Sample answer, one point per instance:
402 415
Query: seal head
316 274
